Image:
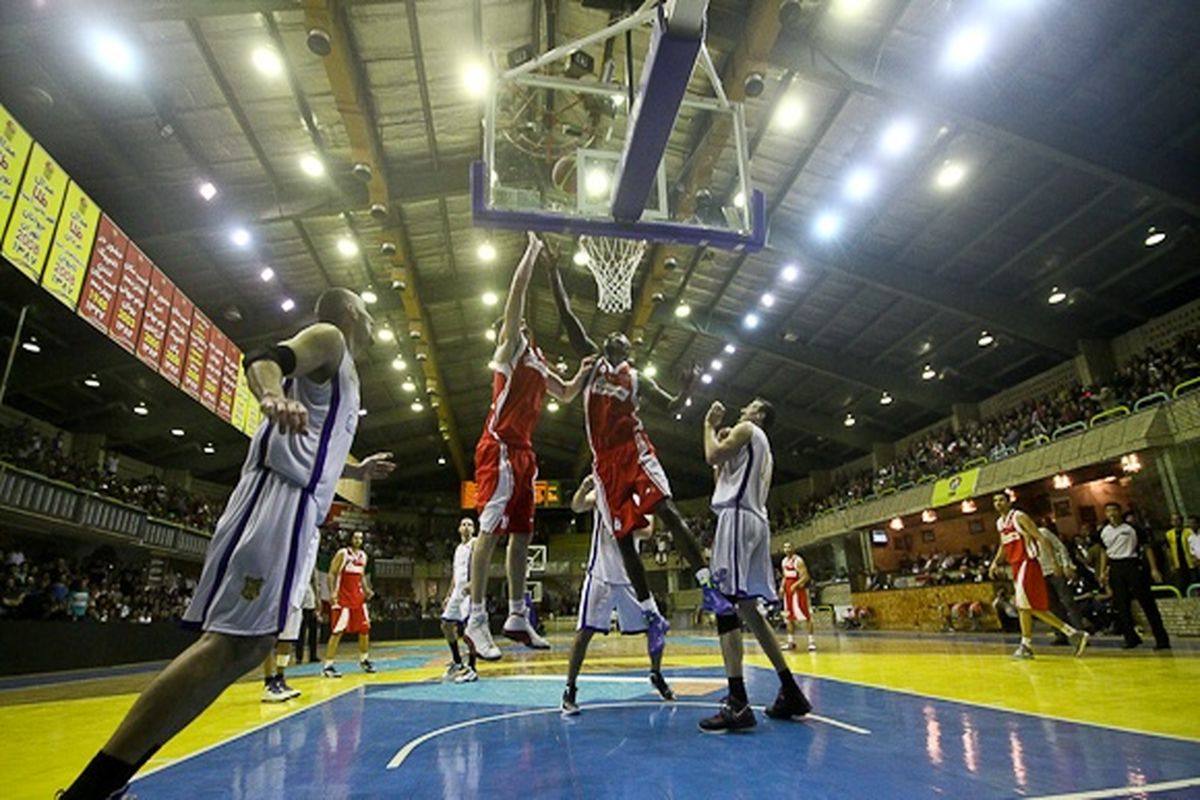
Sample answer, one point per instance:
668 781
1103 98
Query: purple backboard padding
665 76
663 232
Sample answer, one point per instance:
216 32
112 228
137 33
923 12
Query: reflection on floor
894 717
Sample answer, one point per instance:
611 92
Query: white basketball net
613 262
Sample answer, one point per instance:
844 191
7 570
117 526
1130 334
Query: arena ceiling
934 169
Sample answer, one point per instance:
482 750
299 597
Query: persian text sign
229 381
214 367
155 319
27 241
104 274
72 246
955 488
131 298
15 146
175 346
197 355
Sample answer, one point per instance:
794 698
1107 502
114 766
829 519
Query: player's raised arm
514 305
315 351
664 399
585 496
581 343
718 449
568 391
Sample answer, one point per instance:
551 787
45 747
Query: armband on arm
281 354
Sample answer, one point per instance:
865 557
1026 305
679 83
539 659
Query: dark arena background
952 242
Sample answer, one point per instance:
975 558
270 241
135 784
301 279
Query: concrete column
1095 363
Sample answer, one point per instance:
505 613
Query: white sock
649 604
328 663
478 609
791 639
281 662
1026 641
516 607
364 657
811 639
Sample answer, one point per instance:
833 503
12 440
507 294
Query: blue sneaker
713 599
656 631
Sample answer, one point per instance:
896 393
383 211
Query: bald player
265 543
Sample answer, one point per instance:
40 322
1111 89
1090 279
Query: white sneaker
812 647
517 628
452 671
468 675
274 693
1023 652
479 638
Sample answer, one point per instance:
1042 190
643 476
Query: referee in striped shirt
1121 568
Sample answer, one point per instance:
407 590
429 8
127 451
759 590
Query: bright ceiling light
750 320
767 300
739 200
581 258
209 449
288 304
968 506
860 184
141 410
441 461
114 54
928 373
490 334
1154 237
486 252
789 114
552 406
898 137
790 273
385 335
476 78
267 275
716 365
312 166
597 182
687 403
347 247
31 345
849 421
849 9
706 379
267 61
827 225
950 175
178 432
985 339
683 310
1057 295
91 381
369 297
650 371
490 298
896 524
399 364
886 399
362 412
730 349
928 516
417 406
408 385
207 190
240 237
965 48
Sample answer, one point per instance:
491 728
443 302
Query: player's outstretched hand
588 483
587 363
716 413
535 244
377 465
290 416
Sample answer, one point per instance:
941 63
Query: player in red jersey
630 481
1020 543
350 587
795 596
506 466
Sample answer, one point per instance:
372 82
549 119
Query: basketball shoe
568 706
733 715
479 638
468 675
713 599
789 705
273 691
661 686
656 631
517 628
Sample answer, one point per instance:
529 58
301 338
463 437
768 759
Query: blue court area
504 738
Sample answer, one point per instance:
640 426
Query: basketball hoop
612 263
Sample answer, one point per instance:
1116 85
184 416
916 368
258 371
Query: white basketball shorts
741 555
597 602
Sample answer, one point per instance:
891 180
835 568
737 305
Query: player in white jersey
265 543
457 609
741 559
606 588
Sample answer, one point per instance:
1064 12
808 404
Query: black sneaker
568 706
732 716
660 684
789 705
330 672
367 666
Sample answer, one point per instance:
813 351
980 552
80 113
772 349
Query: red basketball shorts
504 478
1029 587
350 619
631 482
795 603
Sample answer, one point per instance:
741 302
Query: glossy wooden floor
53 729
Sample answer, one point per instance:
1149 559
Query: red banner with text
131 298
104 273
197 355
155 319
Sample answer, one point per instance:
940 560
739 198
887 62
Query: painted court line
716 682
1124 791
404 752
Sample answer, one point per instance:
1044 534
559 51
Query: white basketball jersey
604 557
462 563
315 459
744 480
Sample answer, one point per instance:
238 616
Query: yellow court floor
54 728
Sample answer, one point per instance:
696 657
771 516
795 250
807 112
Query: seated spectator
1006 612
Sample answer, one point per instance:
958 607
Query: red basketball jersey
1016 549
350 585
517 391
791 570
610 407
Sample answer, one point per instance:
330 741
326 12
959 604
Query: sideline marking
1124 791
405 751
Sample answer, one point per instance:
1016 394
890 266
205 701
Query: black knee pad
728 622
